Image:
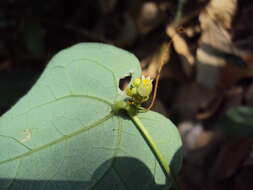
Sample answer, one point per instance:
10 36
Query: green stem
156 151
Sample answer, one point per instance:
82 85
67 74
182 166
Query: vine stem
163 58
156 151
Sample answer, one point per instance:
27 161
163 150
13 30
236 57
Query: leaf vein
80 131
16 140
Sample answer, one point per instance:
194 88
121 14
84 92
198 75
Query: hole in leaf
123 82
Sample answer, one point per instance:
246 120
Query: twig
163 58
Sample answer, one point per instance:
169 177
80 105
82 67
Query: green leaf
63 134
237 122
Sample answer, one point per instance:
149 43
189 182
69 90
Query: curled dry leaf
155 62
180 45
182 49
215 44
221 11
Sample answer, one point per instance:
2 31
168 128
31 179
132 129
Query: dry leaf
155 63
180 45
215 42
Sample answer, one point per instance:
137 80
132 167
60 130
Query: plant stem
156 151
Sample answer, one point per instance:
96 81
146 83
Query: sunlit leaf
63 135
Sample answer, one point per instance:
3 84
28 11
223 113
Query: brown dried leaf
155 63
180 45
215 42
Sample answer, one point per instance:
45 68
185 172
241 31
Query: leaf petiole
154 148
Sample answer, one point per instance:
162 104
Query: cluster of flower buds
140 89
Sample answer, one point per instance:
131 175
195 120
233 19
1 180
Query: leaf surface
63 135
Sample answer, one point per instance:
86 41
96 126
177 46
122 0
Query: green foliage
64 135
237 121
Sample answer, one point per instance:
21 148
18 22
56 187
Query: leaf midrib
65 137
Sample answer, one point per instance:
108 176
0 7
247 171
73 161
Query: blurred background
206 84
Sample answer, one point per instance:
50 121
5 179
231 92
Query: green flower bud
136 82
140 89
131 91
145 88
